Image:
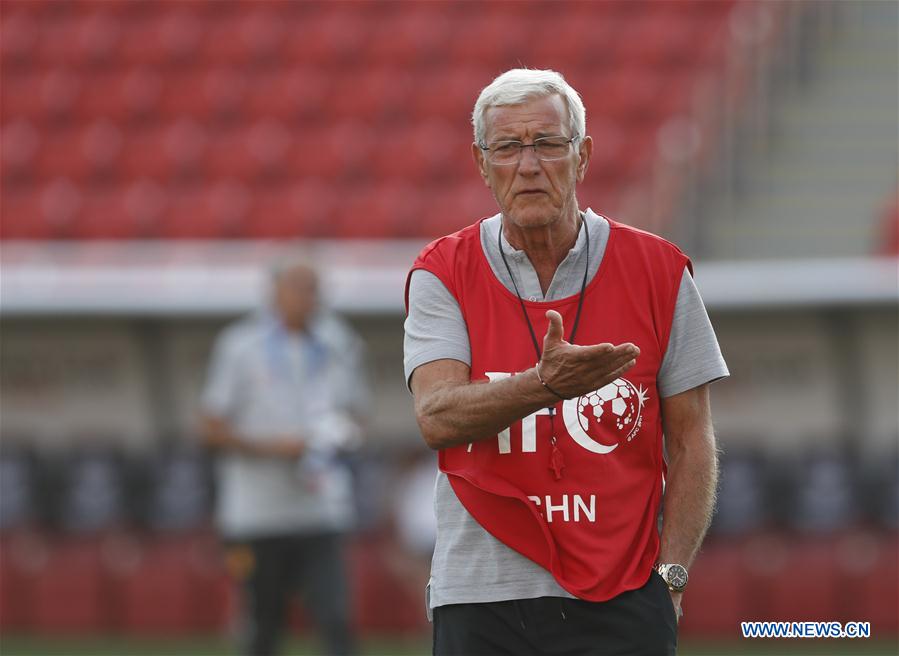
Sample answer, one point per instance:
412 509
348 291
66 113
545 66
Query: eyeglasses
547 149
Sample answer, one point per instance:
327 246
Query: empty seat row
311 208
657 32
427 151
179 585
775 576
165 586
629 93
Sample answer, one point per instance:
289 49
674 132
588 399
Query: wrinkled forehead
544 115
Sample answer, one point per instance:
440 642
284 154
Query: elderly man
554 356
282 389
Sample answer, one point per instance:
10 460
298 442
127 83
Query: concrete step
816 186
752 238
864 171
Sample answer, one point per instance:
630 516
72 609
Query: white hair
522 84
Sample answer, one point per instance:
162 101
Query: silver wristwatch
674 575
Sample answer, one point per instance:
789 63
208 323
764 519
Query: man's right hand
452 410
284 448
573 370
218 434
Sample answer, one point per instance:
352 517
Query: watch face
676 576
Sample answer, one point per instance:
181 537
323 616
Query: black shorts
639 622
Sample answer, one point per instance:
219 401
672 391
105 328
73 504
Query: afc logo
614 411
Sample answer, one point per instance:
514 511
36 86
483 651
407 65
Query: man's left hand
676 599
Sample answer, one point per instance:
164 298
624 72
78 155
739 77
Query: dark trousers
275 568
639 622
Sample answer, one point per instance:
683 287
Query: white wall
64 380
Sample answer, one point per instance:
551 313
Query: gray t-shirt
469 564
270 383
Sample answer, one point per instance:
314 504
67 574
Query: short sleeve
435 328
693 356
221 391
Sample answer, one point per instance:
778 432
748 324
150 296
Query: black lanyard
580 302
556 461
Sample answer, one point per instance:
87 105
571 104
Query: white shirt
269 383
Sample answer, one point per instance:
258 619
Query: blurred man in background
552 475
282 390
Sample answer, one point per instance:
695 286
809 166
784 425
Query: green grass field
36 646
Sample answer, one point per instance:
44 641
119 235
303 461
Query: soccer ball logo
616 407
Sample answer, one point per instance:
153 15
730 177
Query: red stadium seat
134 584
418 35
290 96
605 11
20 144
175 151
250 36
216 212
660 39
377 211
163 38
609 145
577 41
123 97
19 99
371 95
382 604
132 212
313 154
493 40
60 202
716 601
101 145
792 579
169 586
48 96
23 556
374 97
19 33
604 197
215 94
21 216
82 40
426 152
337 36
103 217
91 151
305 209
443 150
341 150
868 566
70 593
144 203
228 156
63 156
450 95
630 93
450 208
